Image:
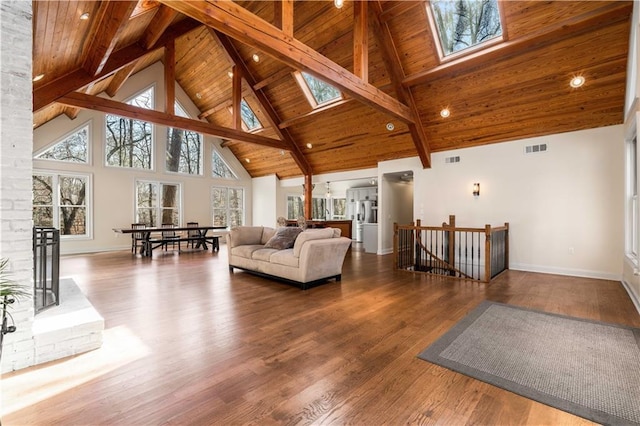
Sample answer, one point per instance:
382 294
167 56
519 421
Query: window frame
152 160
434 34
228 205
56 206
89 125
159 207
632 239
308 93
235 177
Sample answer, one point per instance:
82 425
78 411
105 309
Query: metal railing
46 267
469 253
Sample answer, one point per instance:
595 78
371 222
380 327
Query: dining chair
192 235
170 236
137 237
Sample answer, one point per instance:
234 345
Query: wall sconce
476 189
313 186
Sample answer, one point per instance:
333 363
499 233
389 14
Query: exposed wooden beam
283 16
119 78
268 109
46 94
110 23
236 98
109 106
158 26
392 60
170 77
611 13
71 112
242 25
360 40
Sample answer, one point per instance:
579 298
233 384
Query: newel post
451 233
487 253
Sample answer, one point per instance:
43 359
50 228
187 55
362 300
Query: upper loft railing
469 253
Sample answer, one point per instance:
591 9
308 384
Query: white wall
113 188
265 197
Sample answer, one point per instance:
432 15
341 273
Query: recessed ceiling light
338 3
247 160
38 77
309 146
445 113
390 126
198 95
255 57
85 16
230 74
577 81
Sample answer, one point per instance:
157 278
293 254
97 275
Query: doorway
396 206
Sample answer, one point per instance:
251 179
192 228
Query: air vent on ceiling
455 159
531 149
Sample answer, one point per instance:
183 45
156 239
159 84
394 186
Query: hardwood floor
186 342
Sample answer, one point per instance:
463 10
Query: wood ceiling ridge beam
110 22
239 64
96 103
611 13
242 25
48 93
392 60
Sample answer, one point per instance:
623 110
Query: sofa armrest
323 258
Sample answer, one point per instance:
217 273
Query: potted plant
10 291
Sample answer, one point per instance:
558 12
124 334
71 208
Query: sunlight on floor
23 388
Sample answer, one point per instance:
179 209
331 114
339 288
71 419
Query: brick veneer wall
16 147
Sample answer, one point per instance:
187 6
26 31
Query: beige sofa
316 256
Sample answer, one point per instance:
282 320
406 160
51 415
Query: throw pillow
284 238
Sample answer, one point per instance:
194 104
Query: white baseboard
566 271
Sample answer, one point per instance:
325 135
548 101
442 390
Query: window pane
148 216
462 24
220 198
322 92
295 207
72 190
235 198
220 168
147 194
42 190
235 218
73 221
184 148
318 208
219 217
339 207
43 216
248 116
73 148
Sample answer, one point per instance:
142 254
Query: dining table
201 238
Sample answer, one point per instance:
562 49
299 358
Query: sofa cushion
263 254
311 234
337 232
267 233
283 238
244 235
245 251
284 257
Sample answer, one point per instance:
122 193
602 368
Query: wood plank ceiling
515 89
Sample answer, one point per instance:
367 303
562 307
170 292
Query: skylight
321 92
249 117
464 25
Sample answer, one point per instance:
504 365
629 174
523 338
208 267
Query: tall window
339 206
184 148
220 168
295 207
464 24
157 203
129 142
60 201
317 91
319 210
228 206
73 148
632 203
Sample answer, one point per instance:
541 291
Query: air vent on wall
455 159
531 149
